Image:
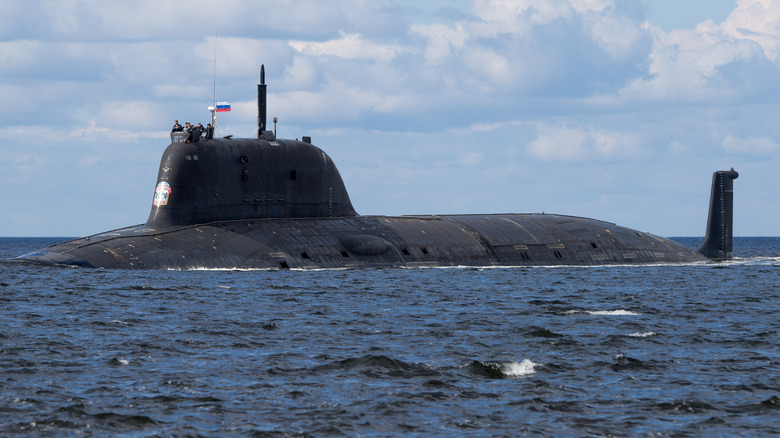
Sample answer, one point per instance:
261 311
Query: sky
618 110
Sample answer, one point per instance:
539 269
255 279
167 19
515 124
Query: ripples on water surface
622 351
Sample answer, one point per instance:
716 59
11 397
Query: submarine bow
269 203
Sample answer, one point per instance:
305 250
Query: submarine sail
269 203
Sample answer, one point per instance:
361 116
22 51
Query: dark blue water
603 351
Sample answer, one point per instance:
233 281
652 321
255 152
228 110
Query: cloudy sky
614 109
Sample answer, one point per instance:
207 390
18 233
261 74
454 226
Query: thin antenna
214 108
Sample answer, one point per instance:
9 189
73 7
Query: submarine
269 203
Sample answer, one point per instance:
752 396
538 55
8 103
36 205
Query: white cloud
750 145
302 73
340 101
583 6
692 65
758 21
441 40
121 133
494 66
563 143
616 35
517 16
131 115
168 91
349 46
144 20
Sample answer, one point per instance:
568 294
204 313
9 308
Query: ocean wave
642 335
502 370
618 312
376 365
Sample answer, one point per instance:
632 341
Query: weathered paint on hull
371 241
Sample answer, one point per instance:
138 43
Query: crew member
176 126
194 134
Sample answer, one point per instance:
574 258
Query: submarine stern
718 240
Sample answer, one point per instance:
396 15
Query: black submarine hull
371 242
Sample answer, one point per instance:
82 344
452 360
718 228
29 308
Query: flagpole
214 108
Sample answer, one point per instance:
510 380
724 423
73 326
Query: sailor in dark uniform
194 134
176 126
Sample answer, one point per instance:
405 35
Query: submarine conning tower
718 241
240 179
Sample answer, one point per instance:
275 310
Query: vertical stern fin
718 239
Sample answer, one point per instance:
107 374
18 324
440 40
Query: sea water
662 350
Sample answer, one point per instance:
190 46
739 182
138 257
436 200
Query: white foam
462 267
619 312
201 268
515 369
642 335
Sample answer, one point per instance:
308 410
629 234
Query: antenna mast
213 109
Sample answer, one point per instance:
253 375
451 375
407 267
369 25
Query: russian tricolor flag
223 107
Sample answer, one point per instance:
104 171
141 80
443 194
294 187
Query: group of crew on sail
195 132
